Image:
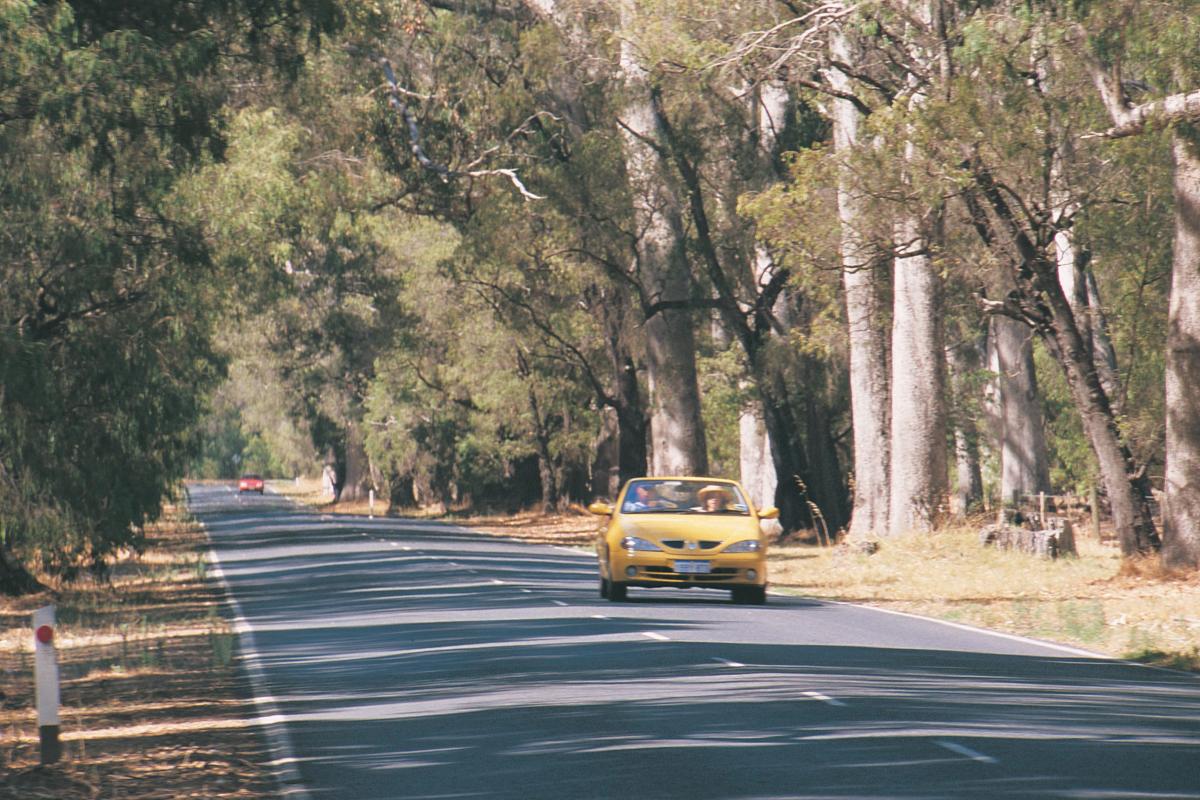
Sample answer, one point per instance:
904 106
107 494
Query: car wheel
617 591
749 595
604 587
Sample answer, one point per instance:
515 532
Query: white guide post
371 503
45 671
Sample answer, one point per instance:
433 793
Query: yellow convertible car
683 532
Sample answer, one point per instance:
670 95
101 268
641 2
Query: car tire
618 592
604 587
749 595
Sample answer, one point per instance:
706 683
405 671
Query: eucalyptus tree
109 298
1156 43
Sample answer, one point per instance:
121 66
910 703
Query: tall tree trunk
678 443
757 460
961 360
757 452
1024 467
918 440
356 469
626 395
870 402
1039 299
1181 514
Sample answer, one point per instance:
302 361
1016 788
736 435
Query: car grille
681 544
716 576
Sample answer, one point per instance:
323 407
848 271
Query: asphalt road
399 659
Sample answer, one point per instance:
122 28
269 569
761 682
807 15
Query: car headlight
638 543
747 546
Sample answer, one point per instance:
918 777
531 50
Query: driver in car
644 498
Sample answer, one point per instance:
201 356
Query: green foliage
110 296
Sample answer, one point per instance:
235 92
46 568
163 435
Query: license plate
693 567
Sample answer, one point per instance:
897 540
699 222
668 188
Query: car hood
690 526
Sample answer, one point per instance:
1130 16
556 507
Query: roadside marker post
371 502
45 670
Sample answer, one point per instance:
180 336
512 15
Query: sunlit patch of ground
153 705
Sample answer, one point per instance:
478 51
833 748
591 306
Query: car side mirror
768 513
601 509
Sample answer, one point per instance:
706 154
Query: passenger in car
712 498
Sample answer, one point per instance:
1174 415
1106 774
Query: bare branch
395 95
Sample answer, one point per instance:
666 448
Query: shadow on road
467 667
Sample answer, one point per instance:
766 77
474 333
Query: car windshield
683 497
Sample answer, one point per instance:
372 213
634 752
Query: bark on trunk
968 488
1126 487
1024 467
757 460
1181 480
677 431
1040 300
870 401
918 440
356 471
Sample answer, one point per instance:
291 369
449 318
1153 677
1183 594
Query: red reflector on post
45 634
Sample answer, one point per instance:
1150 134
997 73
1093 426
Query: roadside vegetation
154 704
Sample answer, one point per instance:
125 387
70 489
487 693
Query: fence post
45 671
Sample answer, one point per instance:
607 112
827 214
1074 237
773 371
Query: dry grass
153 705
1094 602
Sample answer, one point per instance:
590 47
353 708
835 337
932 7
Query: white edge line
656 636
963 750
270 719
559 603
728 663
1000 634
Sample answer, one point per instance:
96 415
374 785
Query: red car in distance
250 483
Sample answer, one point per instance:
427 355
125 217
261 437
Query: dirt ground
153 705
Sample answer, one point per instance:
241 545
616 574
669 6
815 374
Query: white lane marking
270 718
656 636
963 750
1012 637
729 663
406 547
497 581
527 591
559 603
824 698
599 616
393 544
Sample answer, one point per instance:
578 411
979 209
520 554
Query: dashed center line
559 603
728 663
599 616
497 581
656 636
824 698
963 750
